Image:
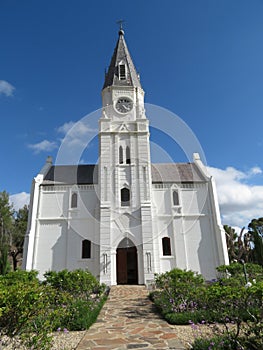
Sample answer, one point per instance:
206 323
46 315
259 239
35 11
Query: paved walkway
128 321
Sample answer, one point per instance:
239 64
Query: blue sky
200 59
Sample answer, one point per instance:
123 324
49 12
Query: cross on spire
120 23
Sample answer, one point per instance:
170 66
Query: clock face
124 105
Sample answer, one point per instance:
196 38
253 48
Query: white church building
125 218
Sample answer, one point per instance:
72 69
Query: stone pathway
128 321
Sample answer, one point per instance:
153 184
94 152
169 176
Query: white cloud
19 199
239 201
43 146
76 134
75 129
63 129
255 171
6 88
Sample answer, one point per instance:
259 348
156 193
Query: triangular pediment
124 127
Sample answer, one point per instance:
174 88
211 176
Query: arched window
125 197
175 198
120 155
128 155
74 200
166 242
86 249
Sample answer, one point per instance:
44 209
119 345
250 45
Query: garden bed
230 307
35 313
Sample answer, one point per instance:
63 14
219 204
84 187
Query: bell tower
124 171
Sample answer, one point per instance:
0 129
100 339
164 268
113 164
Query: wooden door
121 266
127 266
132 266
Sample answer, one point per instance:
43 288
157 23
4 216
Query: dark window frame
74 200
128 155
166 245
122 72
120 155
125 197
86 249
176 198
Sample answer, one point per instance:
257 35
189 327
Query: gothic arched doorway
127 264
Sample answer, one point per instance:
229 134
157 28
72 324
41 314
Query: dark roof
88 174
72 174
121 54
176 172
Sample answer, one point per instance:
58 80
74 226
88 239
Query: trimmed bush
178 291
80 283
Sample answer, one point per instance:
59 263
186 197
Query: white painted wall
192 228
60 229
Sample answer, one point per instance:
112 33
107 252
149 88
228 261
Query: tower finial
120 23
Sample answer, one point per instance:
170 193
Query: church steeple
121 71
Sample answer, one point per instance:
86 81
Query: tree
19 231
256 230
13 226
6 227
20 226
247 246
6 217
238 245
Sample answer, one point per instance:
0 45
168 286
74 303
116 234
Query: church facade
124 219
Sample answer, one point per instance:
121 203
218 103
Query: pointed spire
121 71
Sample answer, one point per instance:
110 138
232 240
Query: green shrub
19 276
178 291
236 275
179 279
220 342
82 314
78 283
183 318
31 310
183 296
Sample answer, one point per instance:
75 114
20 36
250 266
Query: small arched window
125 197
122 72
128 155
120 155
74 200
166 243
86 249
175 198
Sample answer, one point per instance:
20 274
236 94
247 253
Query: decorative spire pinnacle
121 71
120 23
